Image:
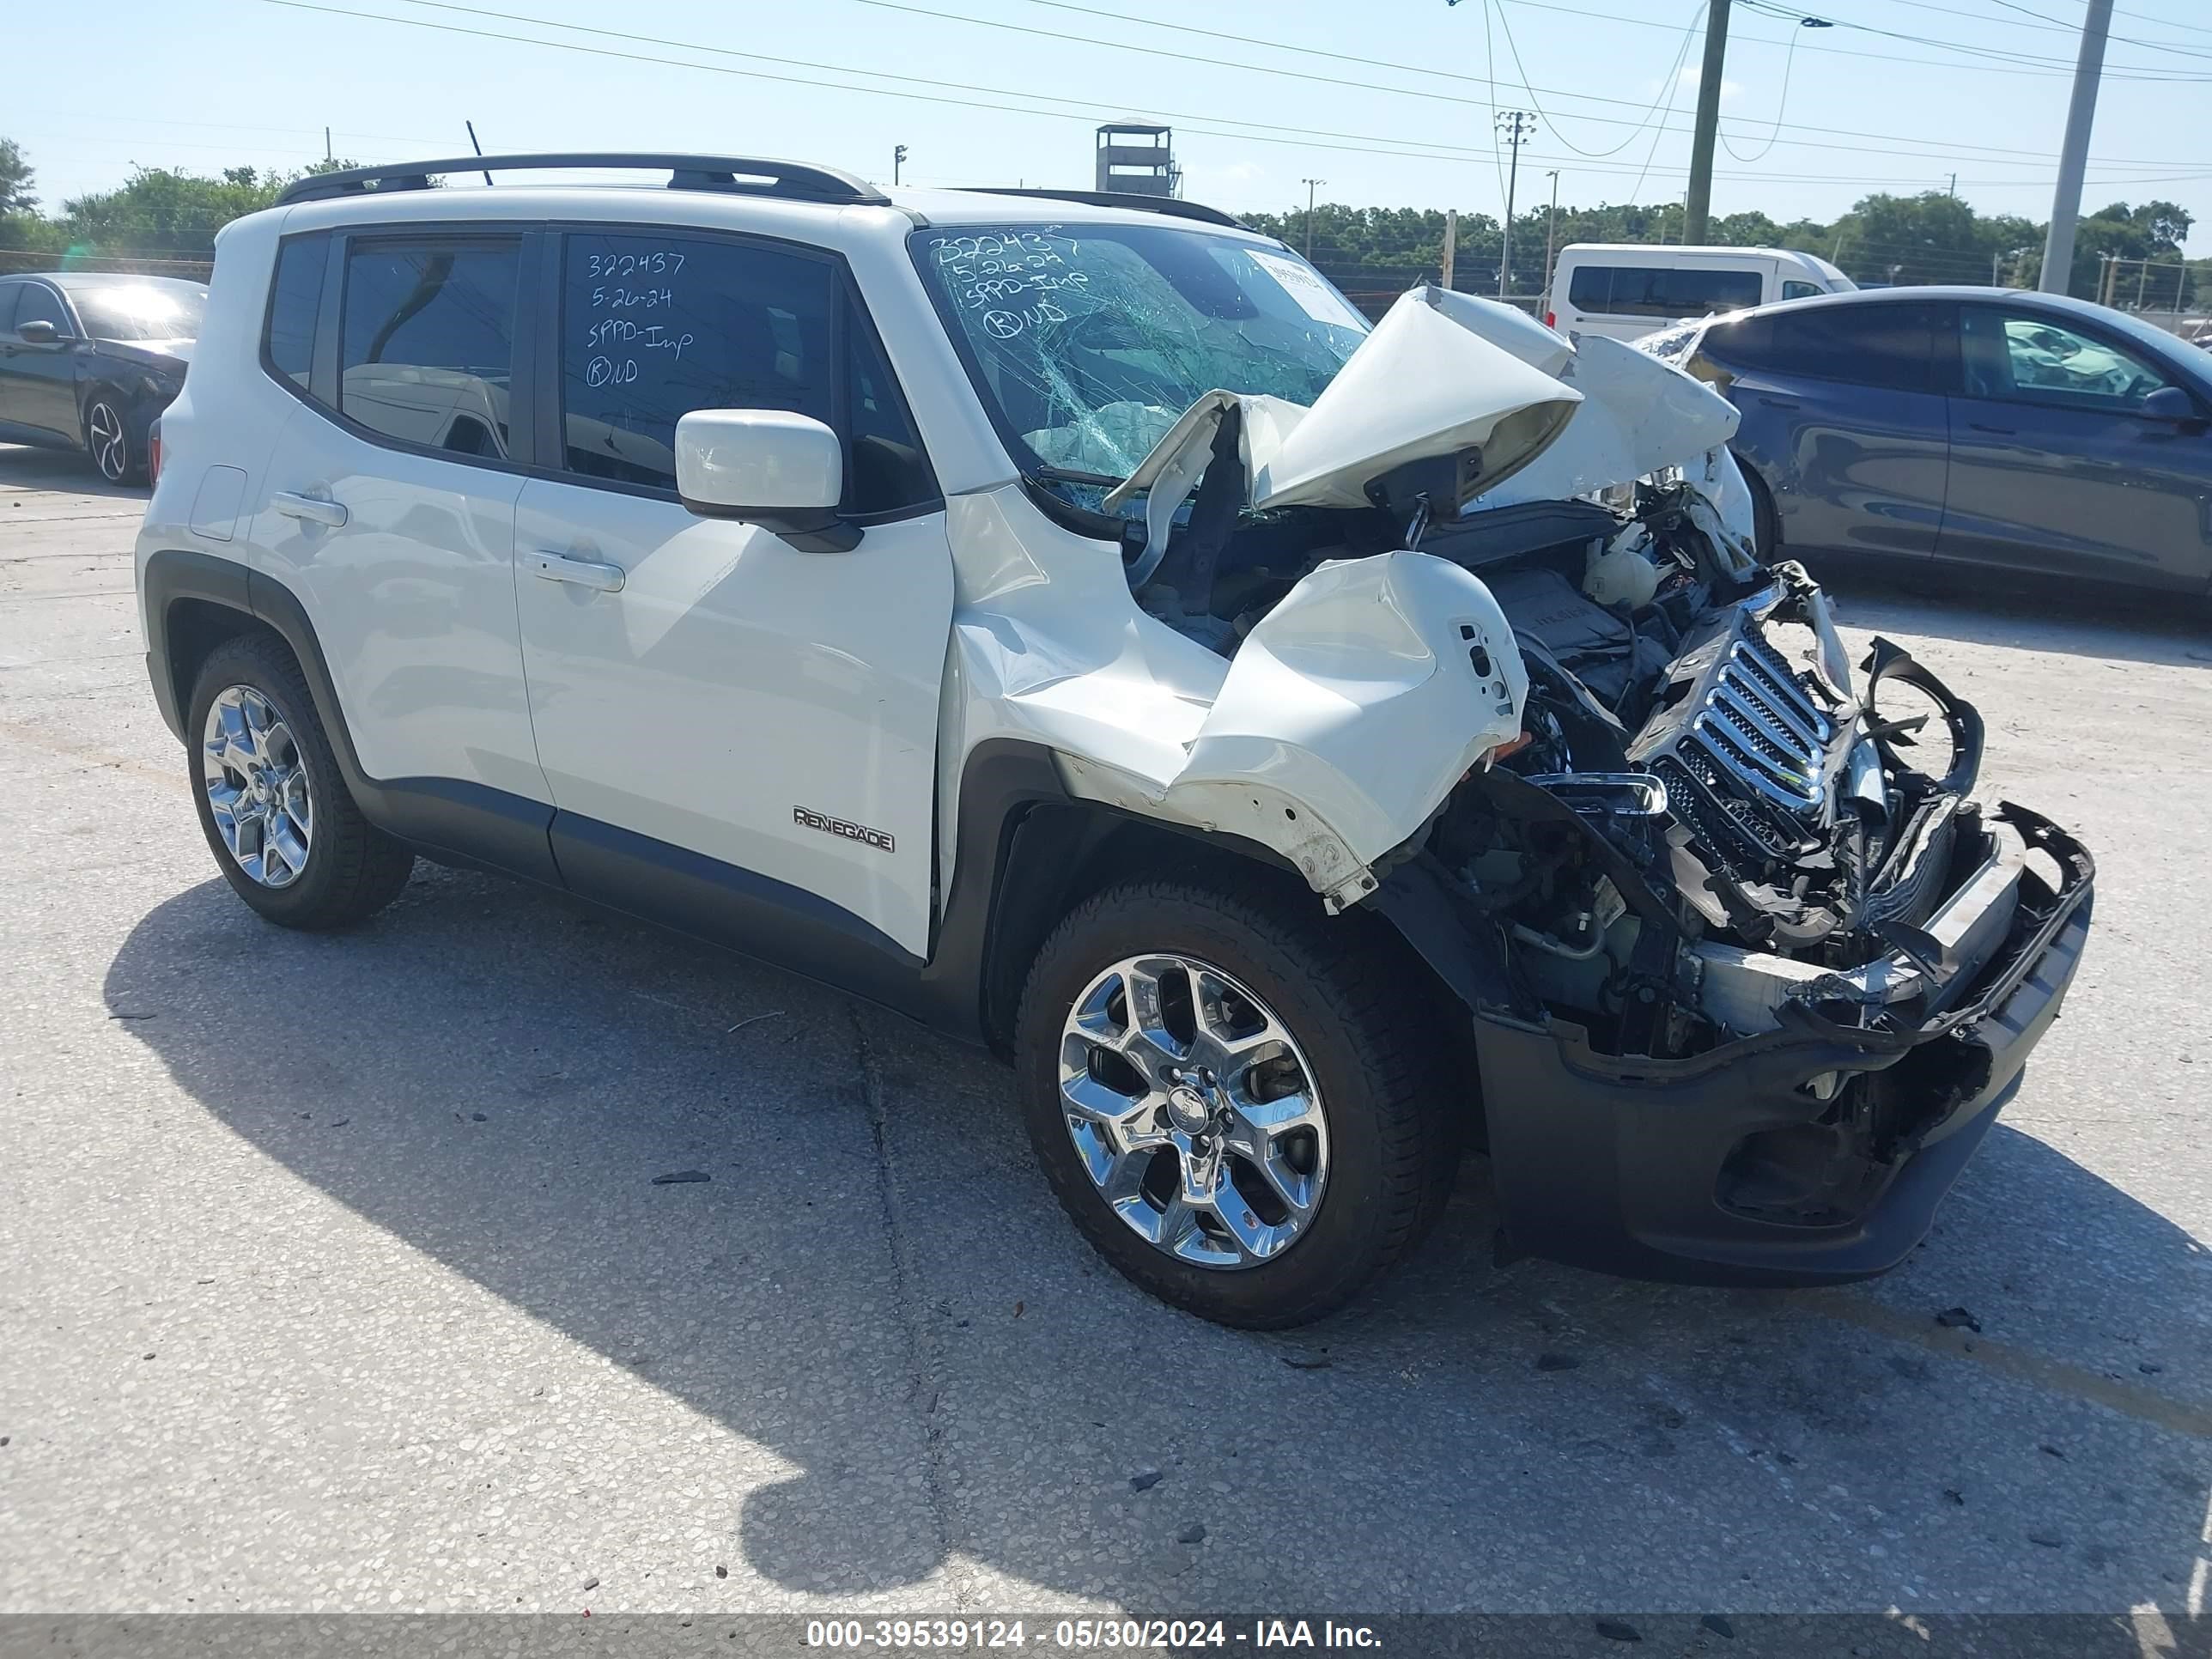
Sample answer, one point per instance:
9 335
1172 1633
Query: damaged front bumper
1812 1154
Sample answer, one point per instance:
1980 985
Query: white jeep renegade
1309 750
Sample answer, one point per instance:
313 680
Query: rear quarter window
295 300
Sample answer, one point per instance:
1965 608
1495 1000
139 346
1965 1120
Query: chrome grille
1759 725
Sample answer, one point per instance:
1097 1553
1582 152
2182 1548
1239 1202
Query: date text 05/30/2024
892 1635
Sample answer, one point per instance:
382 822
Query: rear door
388 506
1843 418
741 738
2053 466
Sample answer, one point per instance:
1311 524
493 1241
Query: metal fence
14 260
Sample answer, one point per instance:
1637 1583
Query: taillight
154 455
1551 319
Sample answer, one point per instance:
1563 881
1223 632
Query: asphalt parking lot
335 1276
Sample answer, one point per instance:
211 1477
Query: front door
740 737
2054 468
38 379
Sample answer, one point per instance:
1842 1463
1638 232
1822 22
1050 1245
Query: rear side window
1801 290
296 300
1887 345
427 342
653 327
1661 290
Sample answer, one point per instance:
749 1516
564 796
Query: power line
1838 52
1999 54
1427 71
1258 132
1634 132
1781 104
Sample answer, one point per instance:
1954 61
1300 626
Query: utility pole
1517 126
898 161
1311 184
1698 209
475 146
1451 243
1953 191
2142 282
2073 153
1551 224
326 144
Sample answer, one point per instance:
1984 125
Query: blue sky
228 81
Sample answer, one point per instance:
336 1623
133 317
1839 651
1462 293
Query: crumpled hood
1422 384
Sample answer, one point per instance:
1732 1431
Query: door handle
292 506
1777 403
2001 431
559 567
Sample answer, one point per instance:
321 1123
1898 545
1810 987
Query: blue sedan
1969 428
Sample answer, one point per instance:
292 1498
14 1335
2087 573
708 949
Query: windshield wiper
1070 475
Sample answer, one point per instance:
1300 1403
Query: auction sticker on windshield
1315 298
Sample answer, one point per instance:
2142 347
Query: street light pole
1516 125
2074 152
898 161
1311 184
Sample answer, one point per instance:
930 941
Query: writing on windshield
1089 340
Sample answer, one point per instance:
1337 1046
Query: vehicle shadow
874 1285
22 467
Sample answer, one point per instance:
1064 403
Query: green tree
15 180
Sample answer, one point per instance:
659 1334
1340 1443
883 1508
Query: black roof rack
1171 206
749 175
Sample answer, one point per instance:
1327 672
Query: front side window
2019 355
1086 342
142 311
427 342
1669 291
36 303
295 300
653 327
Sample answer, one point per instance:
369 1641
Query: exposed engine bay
1699 826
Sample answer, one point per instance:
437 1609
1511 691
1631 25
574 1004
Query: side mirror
782 471
2171 403
39 331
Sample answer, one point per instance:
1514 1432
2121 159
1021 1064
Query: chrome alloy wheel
256 787
103 431
1194 1111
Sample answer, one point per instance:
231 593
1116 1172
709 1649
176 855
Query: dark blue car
1969 427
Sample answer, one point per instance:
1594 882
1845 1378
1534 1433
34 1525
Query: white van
1624 289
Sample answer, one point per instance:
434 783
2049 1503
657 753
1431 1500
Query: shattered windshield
1086 341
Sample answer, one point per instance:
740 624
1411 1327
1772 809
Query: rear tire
272 802
1345 1023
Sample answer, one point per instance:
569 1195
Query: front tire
272 803
1236 1099
118 454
